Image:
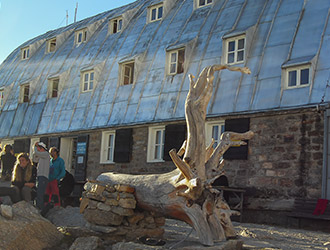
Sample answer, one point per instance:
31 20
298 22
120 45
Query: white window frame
119 25
80 34
51 87
152 131
4 142
22 92
123 74
209 132
50 49
2 97
176 62
25 53
206 3
155 8
108 145
298 69
90 83
236 49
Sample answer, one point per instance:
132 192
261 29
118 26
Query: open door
326 157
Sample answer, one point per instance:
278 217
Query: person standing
7 161
41 156
24 178
56 173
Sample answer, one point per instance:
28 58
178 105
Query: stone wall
138 163
285 159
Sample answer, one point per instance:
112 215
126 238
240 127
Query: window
156 144
81 36
25 53
53 87
155 12
2 96
214 130
88 81
127 73
235 50
116 25
297 77
108 147
201 3
51 45
25 93
175 62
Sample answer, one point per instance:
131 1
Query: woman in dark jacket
24 177
7 161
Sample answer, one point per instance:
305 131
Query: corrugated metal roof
280 33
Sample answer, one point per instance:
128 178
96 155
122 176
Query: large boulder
27 229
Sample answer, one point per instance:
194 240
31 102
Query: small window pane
86 77
292 78
153 14
160 12
158 137
120 23
92 76
240 56
80 37
231 57
201 2
173 68
209 1
304 76
85 86
173 57
241 44
180 61
231 46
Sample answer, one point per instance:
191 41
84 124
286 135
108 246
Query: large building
109 91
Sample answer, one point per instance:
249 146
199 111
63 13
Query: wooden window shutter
44 140
54 142
123 145
237 125
21 146
175 134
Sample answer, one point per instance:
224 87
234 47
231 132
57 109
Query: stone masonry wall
285 160
138 163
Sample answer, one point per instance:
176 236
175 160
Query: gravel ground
256 236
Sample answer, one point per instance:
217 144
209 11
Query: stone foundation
113 208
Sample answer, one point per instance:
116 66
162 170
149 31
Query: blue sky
21 20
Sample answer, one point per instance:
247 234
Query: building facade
109 91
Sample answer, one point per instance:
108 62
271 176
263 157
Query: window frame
2 97
83 33
89 81
209 131
112 25
49 43
131 75
25 53
177 63
236 49
23 94
152 131
51 87
105 147
156 8
298 69
198 4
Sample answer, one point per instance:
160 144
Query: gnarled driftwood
185 193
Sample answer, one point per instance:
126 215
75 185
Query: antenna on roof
75 12
67 17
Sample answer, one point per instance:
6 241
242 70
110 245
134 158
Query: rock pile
113 209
